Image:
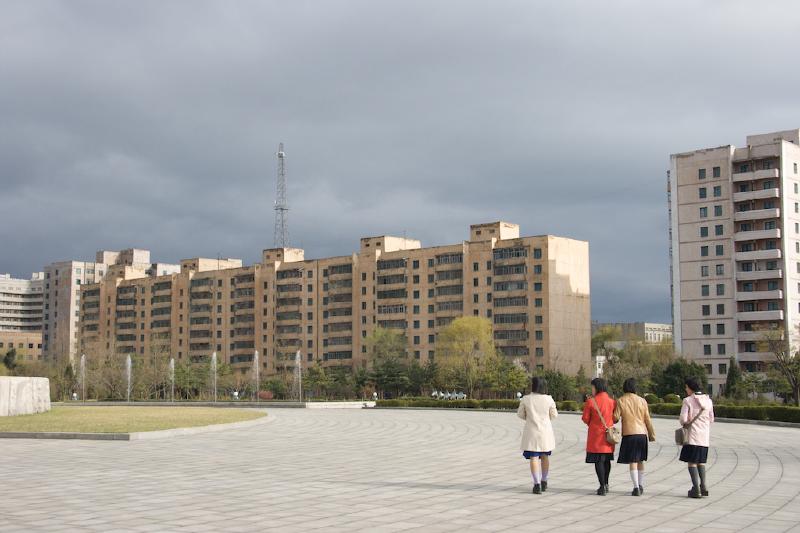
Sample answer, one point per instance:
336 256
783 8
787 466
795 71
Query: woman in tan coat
637 430
537 409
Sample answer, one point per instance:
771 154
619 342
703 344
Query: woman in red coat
598 450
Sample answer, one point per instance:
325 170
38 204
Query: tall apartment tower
21 316
735 226
534 290
62 291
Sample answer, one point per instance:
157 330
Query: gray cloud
155 124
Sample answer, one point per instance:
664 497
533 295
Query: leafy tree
10 359
465 349
560 386
670 379
734 385
316 381
277 386
603 337
385 343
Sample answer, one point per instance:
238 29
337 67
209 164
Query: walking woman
637 430
598 411
697 415
537 409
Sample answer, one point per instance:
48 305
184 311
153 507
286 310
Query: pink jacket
700 431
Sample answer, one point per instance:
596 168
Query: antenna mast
281 206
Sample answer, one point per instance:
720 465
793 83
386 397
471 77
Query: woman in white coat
537 409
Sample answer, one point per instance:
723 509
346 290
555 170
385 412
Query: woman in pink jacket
697 414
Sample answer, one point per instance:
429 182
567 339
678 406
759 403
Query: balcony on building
755 235
755 275
755 356
759 194
751 336
758 255
744 296
755 175
746 316
757 214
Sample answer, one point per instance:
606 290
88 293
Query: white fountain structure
172 378
214 373
298 375
256 372
83 377
128 376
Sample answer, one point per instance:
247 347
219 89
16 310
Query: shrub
651 398
783 414
568 405
672 398
500 404
665 409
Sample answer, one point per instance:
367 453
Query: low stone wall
24 396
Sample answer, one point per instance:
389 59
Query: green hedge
652 399
672 398
469 404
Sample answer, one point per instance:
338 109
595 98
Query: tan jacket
635 415
537 410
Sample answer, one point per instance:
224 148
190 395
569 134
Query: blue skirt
529 455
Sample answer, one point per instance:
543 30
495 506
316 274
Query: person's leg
634 472
545 470
608 470
600 470
641 476
536 474
695 475
701 472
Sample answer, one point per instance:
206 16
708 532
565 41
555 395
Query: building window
717 210
704 271
704 231
718 229
717 191
720 329
723 368
720 349
706 329
706 349
719 249
720 289
706 310
701 173
702 192
475 267
720 309
720 270
703 212
704 251
704 290
415 263
715 172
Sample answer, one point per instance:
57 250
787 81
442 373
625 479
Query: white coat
537 410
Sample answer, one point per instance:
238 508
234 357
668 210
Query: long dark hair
538 385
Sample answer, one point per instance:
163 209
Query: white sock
537 478
545 474
641 478
635 478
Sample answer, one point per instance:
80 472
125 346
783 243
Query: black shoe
703 491
694 492
544 486
641 490
602 490
636 492
606 488
537 489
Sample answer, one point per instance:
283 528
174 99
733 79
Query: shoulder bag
613 435
682 433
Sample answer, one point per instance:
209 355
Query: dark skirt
527 455
592 457
633 449
694 454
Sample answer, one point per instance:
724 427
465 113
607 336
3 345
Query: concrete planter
24 396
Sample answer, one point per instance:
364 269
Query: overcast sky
154 124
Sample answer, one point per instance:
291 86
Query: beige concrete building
21 316
535 290
735 248
647 332
62 290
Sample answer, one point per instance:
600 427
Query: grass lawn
124 419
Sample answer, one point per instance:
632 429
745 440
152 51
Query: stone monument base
24 396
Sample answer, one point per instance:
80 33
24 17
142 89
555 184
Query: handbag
613 436
682 433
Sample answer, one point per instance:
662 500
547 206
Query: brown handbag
613 436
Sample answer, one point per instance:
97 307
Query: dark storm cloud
154 124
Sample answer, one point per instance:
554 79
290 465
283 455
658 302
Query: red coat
596 435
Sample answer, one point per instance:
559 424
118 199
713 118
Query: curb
773 423
140 435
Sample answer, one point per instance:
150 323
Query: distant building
647 332
534 291
62 290
21 316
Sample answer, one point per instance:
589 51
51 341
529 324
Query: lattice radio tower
281 206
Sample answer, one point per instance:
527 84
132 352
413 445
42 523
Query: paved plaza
389 470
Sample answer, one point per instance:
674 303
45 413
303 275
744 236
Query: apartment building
21 316
535 290
62 291
735 249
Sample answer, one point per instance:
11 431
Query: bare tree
787 358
